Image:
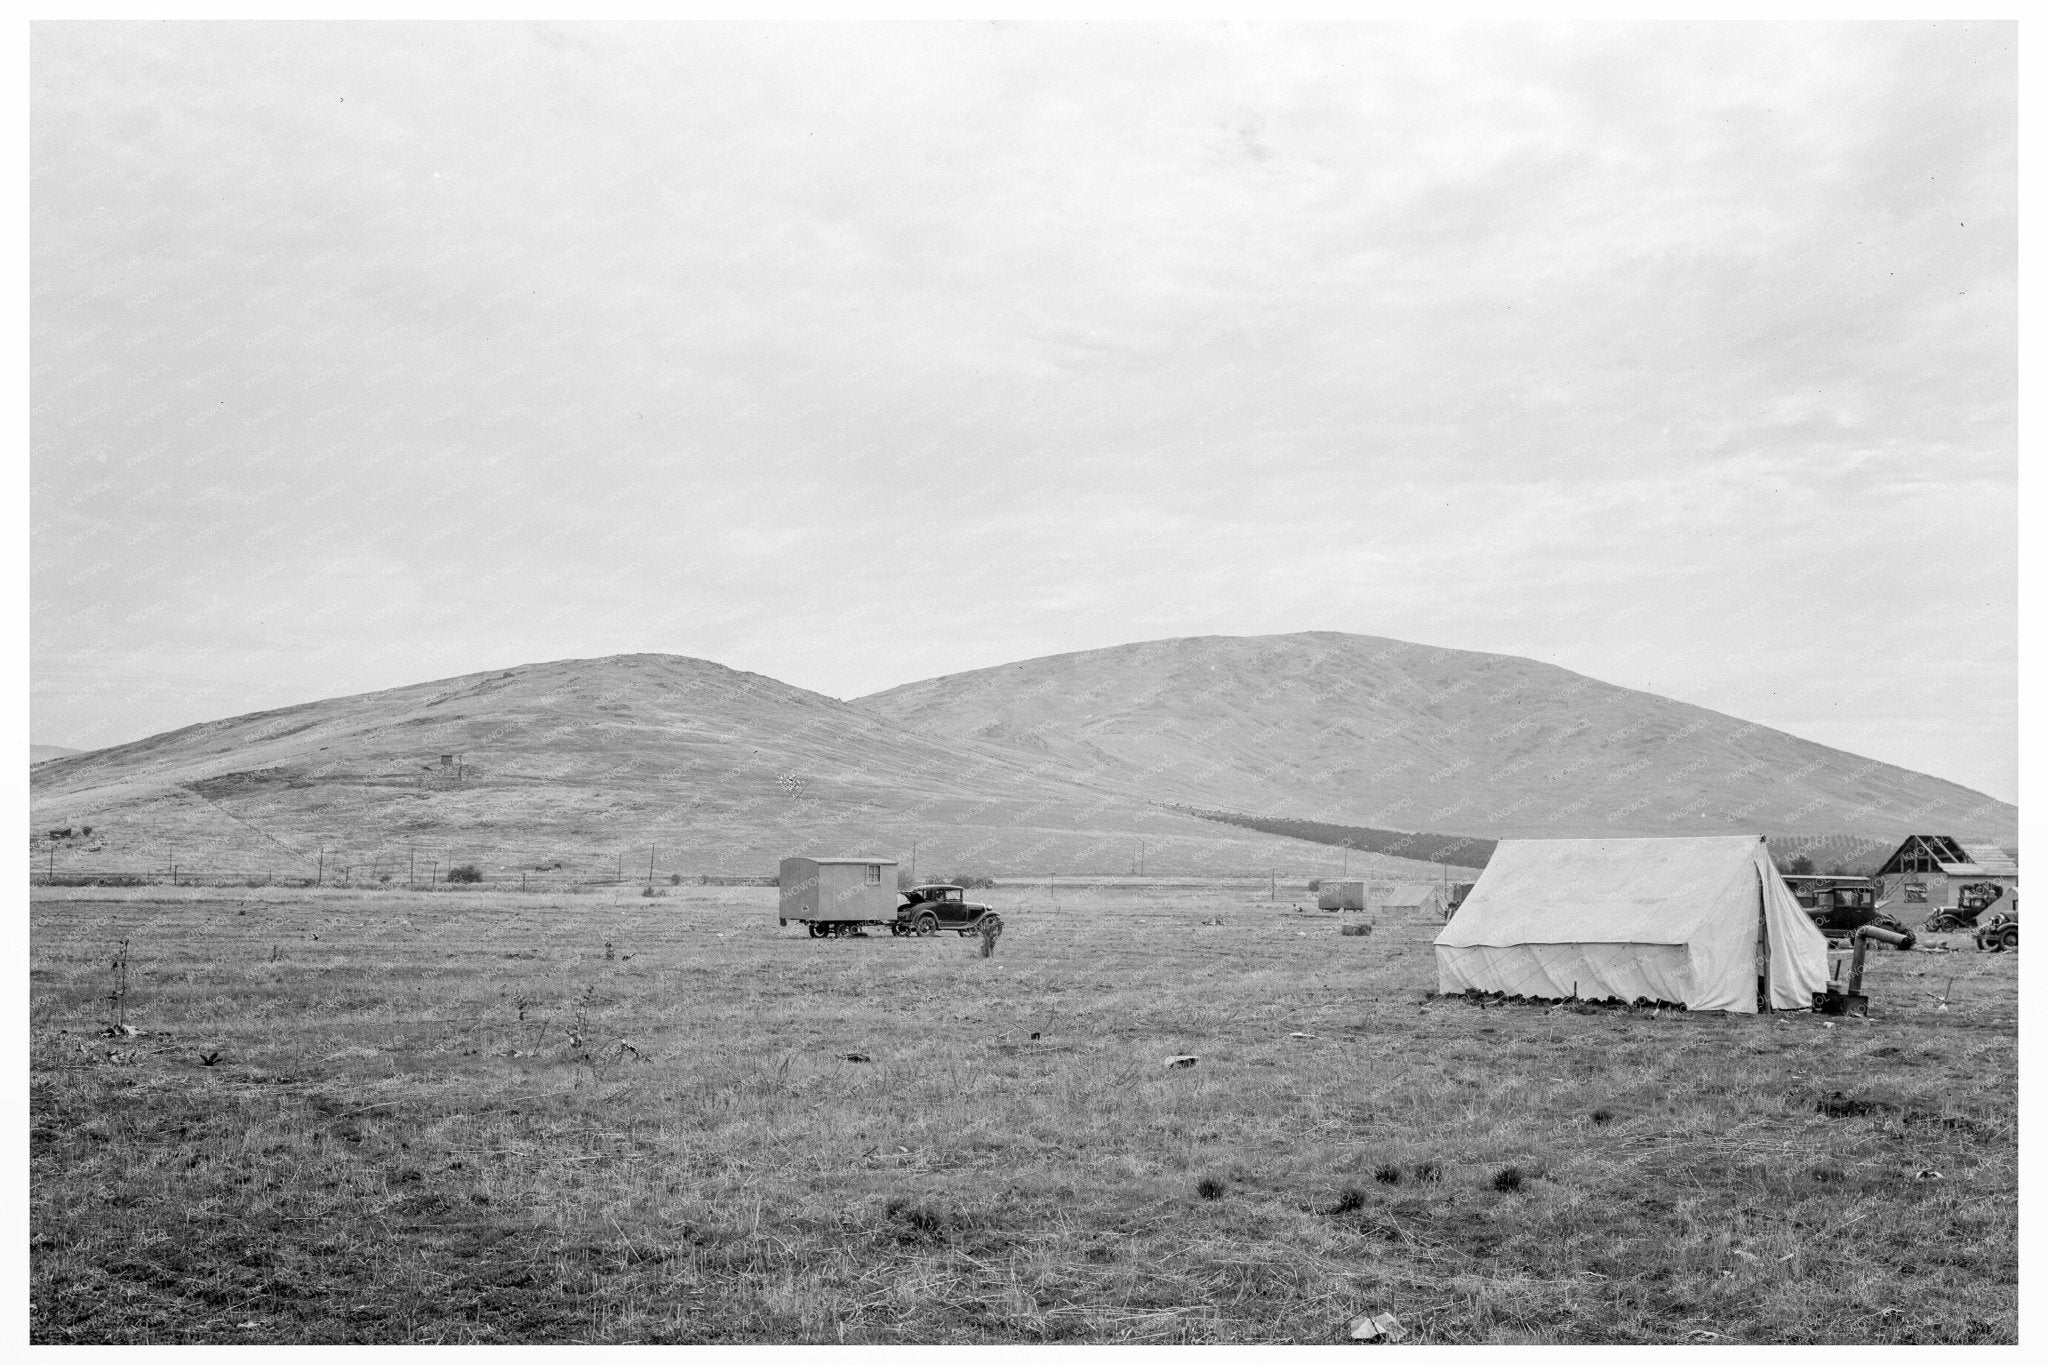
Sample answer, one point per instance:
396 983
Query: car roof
1819 877
938 886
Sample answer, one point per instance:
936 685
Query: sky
1683 356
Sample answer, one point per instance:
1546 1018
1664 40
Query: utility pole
650 867
1347 860
320 873
913 862
622 870
410 880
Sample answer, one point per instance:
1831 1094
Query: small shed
1930 869
1340 895
837 890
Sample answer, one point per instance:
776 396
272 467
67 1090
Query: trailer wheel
817 930
927 925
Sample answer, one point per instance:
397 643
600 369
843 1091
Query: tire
817 930
2009 937
926 926
1941 922
994 925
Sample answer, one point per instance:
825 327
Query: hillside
41 753
589 763
1355 729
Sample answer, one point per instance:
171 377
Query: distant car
1839 906
2001 932
934 906
1972 900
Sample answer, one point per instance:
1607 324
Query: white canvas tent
1693 921
1421 898
1416 897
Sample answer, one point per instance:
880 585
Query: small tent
1408 898
1419 898
1694 921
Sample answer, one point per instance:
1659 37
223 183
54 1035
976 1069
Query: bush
466 873
970 881
675 879
1315 883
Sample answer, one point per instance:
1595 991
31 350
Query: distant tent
1408 898
1397 897
1683 920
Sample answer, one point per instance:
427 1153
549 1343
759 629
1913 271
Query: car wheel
927 925
2009 936
817 931
993 926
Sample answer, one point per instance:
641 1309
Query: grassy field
486 1117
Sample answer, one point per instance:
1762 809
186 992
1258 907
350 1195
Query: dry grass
420 1124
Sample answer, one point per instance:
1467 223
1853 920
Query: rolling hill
39 753
587 763
1360 730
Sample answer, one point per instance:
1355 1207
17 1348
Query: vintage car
934 906
1839 906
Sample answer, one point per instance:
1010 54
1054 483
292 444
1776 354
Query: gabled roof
1949 856
1992 860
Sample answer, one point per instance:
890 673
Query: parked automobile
2001 931
1839 906
934 906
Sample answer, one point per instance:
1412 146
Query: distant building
1927 869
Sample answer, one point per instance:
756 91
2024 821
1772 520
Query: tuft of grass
1387 1174
1508 1179
1602 1116
1428 1172
1350 1200
1209 1187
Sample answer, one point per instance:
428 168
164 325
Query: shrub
1508 1179
675 879
1315 883
1209 1187
466 873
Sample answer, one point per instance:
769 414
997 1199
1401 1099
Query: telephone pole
650 867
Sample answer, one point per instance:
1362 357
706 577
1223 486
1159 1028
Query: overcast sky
1682 356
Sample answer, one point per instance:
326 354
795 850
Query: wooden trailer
837 895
